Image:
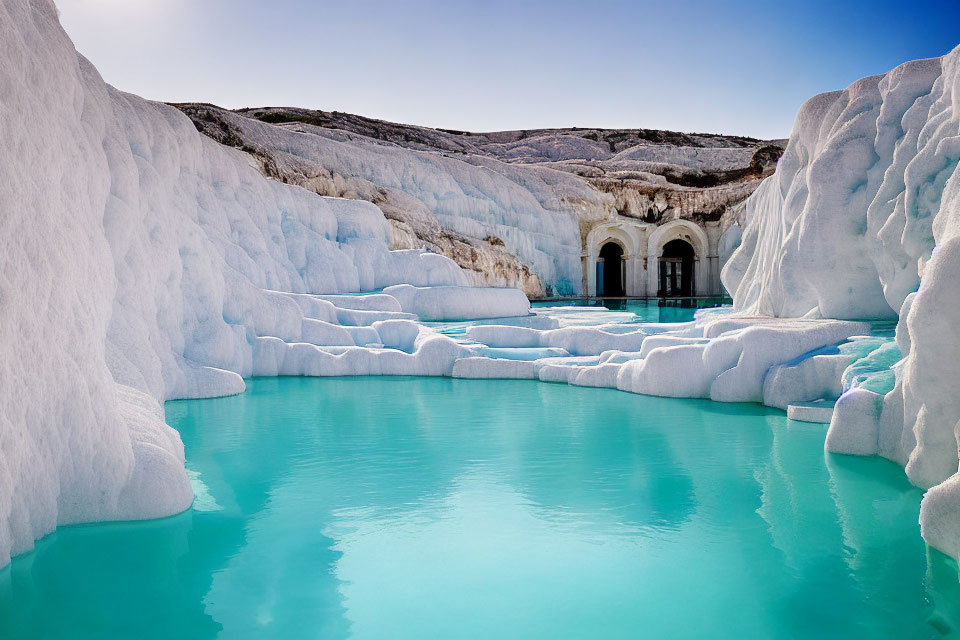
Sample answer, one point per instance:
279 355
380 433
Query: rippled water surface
436 508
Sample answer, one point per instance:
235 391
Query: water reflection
412 508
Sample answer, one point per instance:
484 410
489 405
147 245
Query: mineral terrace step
818 411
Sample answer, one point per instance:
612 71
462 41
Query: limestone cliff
512 207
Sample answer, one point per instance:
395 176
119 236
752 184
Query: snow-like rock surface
459 303
141 261
820 375
725 358
843 226
862 219
511 208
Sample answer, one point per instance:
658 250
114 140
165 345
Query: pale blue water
646 310
436 508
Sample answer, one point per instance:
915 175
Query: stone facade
642 246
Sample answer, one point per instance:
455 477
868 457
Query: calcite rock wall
507 207
862 220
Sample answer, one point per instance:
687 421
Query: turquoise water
437 508
649 310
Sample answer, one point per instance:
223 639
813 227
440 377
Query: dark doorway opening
610 271
677 270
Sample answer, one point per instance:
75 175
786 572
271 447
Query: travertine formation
512 208
862 220
141 261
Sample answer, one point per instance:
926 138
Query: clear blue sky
697 65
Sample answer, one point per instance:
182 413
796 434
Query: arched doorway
610 271
677 265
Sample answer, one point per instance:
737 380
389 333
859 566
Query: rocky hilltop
510 207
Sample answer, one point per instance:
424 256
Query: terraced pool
438 508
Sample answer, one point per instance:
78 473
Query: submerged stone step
817 411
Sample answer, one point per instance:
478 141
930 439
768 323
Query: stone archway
693 237
630 237
610 271
677 270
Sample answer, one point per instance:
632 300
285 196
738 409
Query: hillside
510 207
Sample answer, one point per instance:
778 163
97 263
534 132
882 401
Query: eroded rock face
512 208
142 262
862 220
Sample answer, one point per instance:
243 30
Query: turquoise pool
437 508
646 310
